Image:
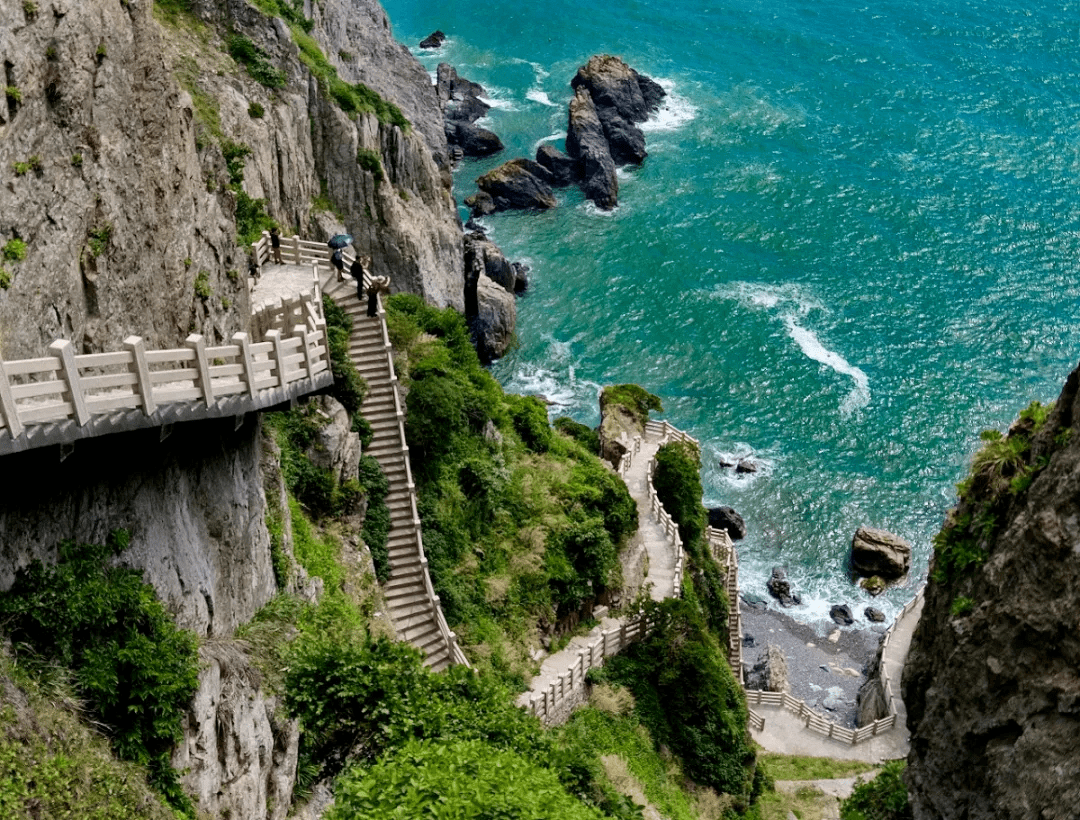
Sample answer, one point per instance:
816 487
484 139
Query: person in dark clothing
379 284
338 261
275 243
253 268
357 270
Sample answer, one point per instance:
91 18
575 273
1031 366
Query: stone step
438 661
420 630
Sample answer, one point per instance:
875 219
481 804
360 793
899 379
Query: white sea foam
536 95
548 138
562 389
812 348
675 111
499 103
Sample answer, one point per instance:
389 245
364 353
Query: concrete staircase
413 606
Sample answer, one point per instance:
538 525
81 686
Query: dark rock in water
475 227
481 203
875 584
613 84
433 40
877 552
780 588
748 641
473 140
518 184
469 109
586 143
483 257
521 277
754 601
455 153
562 168
626 141
745 465
874 615
725 463
725 518
841 614
450 86
495 320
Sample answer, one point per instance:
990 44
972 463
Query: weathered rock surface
519 184
770 672
587 145
993 692
618 427
841 615
874 615
562 168
473 140
725 518
336 447
433 40
870 703
482 256
496 317
877 552
236 734
612 84
780 588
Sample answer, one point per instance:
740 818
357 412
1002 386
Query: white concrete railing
285 314
609 642
70 387
886 684
723 550
628 457
668 525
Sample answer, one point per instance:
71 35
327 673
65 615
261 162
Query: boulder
335 447
495 320
473 140
433 40
482 256
469 109
874 615
780 588
770 673
518 185
745 465
725 518
587 144
841 615
481 203
450 86
613 84
521 277
877 552
562 168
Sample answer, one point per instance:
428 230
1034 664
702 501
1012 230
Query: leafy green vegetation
99 239
962 606
376 527
256 111
349 388
689 699
370 161
52 766
292 11
883 798
32 163
522 527
14 250
636 399
582 434
202 285
134 669
255 60
13 94
798 767
5 278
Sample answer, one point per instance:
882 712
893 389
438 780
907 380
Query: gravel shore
826 663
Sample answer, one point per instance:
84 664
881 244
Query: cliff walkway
413 606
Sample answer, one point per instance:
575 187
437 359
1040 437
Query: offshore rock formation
879 553
462 107
490 284
992 680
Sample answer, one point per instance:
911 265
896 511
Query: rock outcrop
587 145
490 282
780 588
519 184
879 553
726 518
462 107
770 673
992 679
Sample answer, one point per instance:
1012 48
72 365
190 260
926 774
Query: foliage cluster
883 798
581 433
133 667
201 285
522 526
376 527
349 387
52 766
99 239
689 699
636 399
370 161
1001 471
255 60
14 250
292 11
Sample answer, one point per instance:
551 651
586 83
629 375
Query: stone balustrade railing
670 528
285 314
65 396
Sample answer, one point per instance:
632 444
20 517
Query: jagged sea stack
992 680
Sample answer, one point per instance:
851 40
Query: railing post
63 350
279 356
296 249
241 339
137 348
300 332
7 405
202 366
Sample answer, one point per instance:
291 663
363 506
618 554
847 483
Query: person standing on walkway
275 244
357 270
379 284
338 261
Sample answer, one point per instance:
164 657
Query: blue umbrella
340 241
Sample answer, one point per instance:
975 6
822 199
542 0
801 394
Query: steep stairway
413 606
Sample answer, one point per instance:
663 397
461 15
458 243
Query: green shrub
689 699
292 11
370 161
256 111
634 398
20 168
5 279
77 160
99 239
14 250
582 434
377 518
136 671
236 154
251 219
201 285
456 780
962 606
256 61
13 94
434 415
349 387
677 480
883 798
530 419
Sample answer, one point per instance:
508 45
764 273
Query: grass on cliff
522 526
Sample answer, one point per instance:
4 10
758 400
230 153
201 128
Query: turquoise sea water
853 246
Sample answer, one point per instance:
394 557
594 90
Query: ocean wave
536 95
548 138
675 111
813 349
562 389
499 102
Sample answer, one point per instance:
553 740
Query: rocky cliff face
992 681
111 139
